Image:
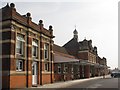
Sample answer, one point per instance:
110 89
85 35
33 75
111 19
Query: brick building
30 57
66 67
88 56
88 63
27 50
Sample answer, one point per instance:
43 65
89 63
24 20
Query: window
35 48
46 66
59 68
20 43
19 65
46 51
72 69
65 68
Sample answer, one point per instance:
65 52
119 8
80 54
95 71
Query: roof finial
75 33
12 5
75 26
7 4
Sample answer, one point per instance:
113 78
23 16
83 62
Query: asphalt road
107 83
102 84
99 83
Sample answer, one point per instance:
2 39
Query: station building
30 57
27 50
78 59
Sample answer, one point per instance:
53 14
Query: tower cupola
75 33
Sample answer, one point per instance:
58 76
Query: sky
94 19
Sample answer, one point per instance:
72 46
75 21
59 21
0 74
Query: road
107 83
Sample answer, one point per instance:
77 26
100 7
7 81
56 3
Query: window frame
46 69
65 68
35 45
59 68
21 40
18 67
46 57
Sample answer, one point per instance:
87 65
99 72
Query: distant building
66 67
88 63
27 50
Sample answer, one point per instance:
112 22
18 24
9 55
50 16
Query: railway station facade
30 57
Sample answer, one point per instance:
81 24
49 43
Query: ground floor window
19 65
59 68
46 66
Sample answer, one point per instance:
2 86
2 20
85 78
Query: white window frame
18 67
65 68
20 38
35 44
46 68
46 49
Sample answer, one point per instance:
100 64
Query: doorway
34 73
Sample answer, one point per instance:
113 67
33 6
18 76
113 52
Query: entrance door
34 73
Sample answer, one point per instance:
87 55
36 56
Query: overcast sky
94 19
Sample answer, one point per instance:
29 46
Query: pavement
68 83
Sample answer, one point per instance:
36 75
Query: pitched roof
61 55
60 58
59 49
72 47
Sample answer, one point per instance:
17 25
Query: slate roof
61 55
58 58
72 47
59 49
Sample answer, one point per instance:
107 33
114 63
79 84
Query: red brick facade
21 69
89 63
30 57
